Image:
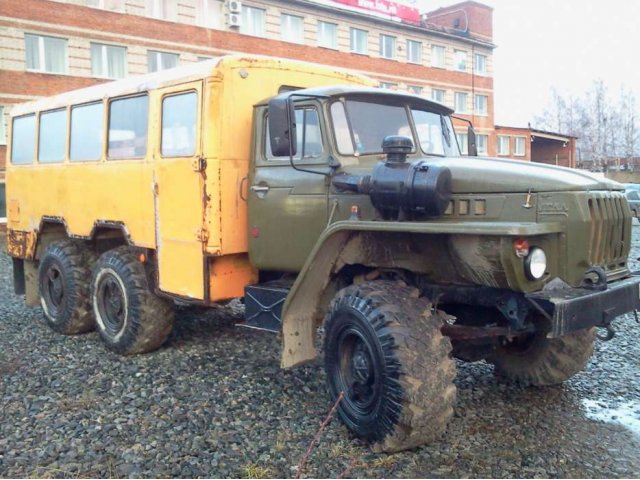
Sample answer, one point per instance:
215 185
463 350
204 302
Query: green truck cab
368 226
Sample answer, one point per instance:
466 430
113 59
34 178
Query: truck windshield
360 126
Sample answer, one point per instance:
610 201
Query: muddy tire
64 275
383 349
541 361
129 316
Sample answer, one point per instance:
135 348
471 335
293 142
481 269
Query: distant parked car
632 191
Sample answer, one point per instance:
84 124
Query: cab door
288 207
179 192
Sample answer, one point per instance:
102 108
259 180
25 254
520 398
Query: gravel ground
214 403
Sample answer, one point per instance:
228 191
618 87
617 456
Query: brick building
51 46
534 145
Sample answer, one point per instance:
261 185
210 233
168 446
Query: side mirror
282 126
472 147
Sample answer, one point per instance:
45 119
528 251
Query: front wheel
384 352
129 316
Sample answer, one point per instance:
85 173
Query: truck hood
491 175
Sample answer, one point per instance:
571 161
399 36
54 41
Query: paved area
213 402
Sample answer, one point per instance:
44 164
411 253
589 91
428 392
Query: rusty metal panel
21 244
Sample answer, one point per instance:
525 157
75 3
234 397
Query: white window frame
457 95
482 140
415 89
102 4
288 34
463 142
388 85
247 11
476 64
389 55
481 108
41 55
434 58
208 17
435 91
460 60
105 63
159 55
516 151
410 45
333 43
353 32
501 150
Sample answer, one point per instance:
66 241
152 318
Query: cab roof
334 91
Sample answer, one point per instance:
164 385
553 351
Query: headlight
535 264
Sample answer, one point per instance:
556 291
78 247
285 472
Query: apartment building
51 46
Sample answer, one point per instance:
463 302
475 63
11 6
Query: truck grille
610 229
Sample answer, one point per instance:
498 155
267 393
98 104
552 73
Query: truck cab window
23 141
435 133
308 135
128 127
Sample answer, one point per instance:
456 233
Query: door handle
259 188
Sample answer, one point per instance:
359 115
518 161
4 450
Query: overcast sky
559 43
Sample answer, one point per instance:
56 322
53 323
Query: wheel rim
111 304
54 290
357 376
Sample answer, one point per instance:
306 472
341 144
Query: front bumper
571 309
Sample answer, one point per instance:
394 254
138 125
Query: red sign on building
396 10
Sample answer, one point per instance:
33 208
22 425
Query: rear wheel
130 317
64 275
385 353
537 360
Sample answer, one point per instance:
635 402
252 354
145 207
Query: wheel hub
358 378
111 304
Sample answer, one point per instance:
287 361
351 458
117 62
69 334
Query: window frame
508 141
105 62
67 138
383 46
432 63
463 146
334 42
466 102
198 127
159 54
108 124
460 58
290 16
263 23
35 140
481 112
70 131
418 45
352 33
477 70
444 95
515 146
42 56
484 152
3 126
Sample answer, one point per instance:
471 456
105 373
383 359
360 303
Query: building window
253 21
3 128
52 139
86 132
24 139
209 13
463 143
327 34
387 46
460 102
416 90
480 64
389 85
359 41
46 54
161 60
519 148
460 60
437 95
437 56
113 5
108 61
481 105
481 142
161 9
292 28
503 145
414 51
127 135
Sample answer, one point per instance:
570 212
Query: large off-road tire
64 275
129 316
384 350
541 361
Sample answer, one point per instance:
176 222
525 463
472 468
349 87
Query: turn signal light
521 247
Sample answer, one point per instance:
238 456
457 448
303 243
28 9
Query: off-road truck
332 208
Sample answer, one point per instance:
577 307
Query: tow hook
609 335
